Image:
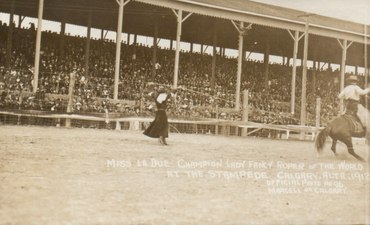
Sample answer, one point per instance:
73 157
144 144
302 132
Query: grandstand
57 80
205 80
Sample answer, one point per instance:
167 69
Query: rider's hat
161 89
352 79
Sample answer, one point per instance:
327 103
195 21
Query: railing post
70 97
118 125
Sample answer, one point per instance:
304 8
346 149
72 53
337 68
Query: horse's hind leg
348 142
334 146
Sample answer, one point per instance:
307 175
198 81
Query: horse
343 129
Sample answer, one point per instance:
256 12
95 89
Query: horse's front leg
334 146
348 142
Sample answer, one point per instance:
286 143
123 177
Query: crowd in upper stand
195 98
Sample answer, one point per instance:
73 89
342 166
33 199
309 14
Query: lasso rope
190 90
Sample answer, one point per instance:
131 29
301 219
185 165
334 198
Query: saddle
358 130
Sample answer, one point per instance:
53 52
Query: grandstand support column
9 42
180 20
88 40
38 46
266 58
214 58
318 112
134 47
296 39
314 74
344 45
62 36
155 47
304 77
314 69
121 4
242 30
240 62
191 47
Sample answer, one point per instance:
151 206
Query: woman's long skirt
159 127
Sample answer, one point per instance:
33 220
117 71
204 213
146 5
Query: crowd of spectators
62 55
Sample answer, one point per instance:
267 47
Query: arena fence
116 121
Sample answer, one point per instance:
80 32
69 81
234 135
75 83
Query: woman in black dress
159 127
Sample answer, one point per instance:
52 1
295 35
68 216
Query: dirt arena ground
87 176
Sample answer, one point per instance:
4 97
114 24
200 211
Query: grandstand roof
270 24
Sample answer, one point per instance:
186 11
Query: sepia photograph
184 112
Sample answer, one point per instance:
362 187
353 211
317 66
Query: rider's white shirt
353 92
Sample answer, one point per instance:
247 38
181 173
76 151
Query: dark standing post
214 57
314 76
134 45
266 58
62 36
20 20
88 37
10 36
155 46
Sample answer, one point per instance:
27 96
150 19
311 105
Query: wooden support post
87 46
10 37
214 58
155 47
318 112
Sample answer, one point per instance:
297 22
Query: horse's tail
320 139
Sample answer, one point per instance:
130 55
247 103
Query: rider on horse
351 94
